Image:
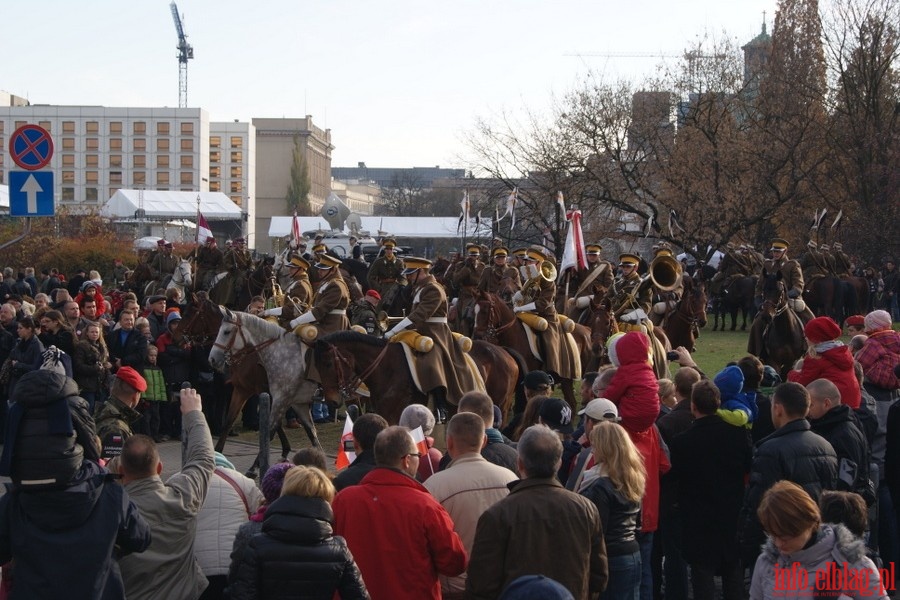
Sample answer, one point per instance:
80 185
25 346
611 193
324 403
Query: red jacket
400 536
835 365
656 461
634 388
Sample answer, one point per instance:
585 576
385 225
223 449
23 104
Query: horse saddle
414 340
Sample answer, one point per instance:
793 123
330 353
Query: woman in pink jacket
828 358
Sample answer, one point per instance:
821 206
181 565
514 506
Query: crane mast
185 53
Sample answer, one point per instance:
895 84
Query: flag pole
197 229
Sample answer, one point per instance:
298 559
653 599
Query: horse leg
239 398
285 442
304 409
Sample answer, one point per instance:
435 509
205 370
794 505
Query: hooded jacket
634 388
835 365
49 431
63 540
730 382
835 549
841 428
297 551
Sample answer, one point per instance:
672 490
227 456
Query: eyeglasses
416 454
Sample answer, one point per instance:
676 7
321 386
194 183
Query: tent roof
168 205
4 196
407 227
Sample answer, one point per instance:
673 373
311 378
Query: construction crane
185 53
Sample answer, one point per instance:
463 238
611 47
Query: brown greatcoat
555 350
332 295
445 365
492 277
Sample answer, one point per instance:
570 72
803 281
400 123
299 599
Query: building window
112 191
237 141
115 127
187 129
236 187
68 176
215 172
237 200
92 160
236 172
46 125
68 143
140 177
140 160
162 129
162 161
215 141
162 178
140 145
92 144
162 145
68 160
237 157
68 126
91 177
215 157
115 160
90 194
187 179
92 127
115 177
20 123
115 144
68 194
187 162
215 186
187 145
139 128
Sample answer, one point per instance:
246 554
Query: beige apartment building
232 169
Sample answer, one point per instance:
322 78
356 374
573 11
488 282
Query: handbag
6 371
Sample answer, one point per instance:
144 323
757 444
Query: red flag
345 454
295 231
203 230
573 254
418 436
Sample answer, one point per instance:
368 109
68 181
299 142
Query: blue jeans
646 542
624 577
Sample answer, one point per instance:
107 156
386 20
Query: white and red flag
573 252
345 454
203 230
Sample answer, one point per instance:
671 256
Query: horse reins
349 387
248 349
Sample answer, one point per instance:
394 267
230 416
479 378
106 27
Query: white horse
281 354
182 279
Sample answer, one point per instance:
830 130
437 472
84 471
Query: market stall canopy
405 227
170 205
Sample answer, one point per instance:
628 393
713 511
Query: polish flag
203 230
418 436
295 231
345 454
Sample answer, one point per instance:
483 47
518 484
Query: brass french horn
665 272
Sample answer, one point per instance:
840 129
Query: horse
855 293
496 323
282 355
824 296
182 279
776 336
683 324
202 320
346 358
138 279
736 296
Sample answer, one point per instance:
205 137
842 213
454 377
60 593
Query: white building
99 150
232 169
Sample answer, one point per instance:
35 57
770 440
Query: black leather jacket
297 551
621 518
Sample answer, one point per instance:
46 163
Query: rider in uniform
733 265
210 261
329 307
386 273
164 263
843 266
491 278
665 302
595 280
828 259
538 297
630 297
466 279
813 263
444 371
792 275
238 261
298 293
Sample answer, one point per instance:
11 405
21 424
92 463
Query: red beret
374 294
855 321
822 329
132 378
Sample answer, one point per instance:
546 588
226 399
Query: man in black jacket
127 346
365 430
792 452
838 424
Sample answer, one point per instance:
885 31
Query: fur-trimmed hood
835 543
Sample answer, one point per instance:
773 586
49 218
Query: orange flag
346 454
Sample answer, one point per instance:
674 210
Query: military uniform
492 277
297 295
813 264
466 279
445 365
210 261
842 263
731 266
627 294
386 275
596 279
113 422
362 314
164 265
792 275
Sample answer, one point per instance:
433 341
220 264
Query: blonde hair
624 467
666 388
308 482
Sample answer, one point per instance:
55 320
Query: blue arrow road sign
31 194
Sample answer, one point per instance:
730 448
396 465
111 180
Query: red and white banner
295 232
203 230
345 454
418 436
573 254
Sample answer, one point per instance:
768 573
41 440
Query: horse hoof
251 474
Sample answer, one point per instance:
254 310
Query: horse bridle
189 324
780 305
491 330
233 358
348 387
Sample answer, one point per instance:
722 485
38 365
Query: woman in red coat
828 358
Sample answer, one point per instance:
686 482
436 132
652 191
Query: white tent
405 227
4 196
171 205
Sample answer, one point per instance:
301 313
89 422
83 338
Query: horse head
491 316
202 320
229 340
603 324
694 301
774 294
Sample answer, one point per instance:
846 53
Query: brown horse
496 323
682 326
824 296
347 358
776 336
603 324
202 320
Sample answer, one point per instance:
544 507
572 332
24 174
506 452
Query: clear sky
397 81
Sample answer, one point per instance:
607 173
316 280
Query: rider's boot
440 405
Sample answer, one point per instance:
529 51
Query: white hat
601 409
